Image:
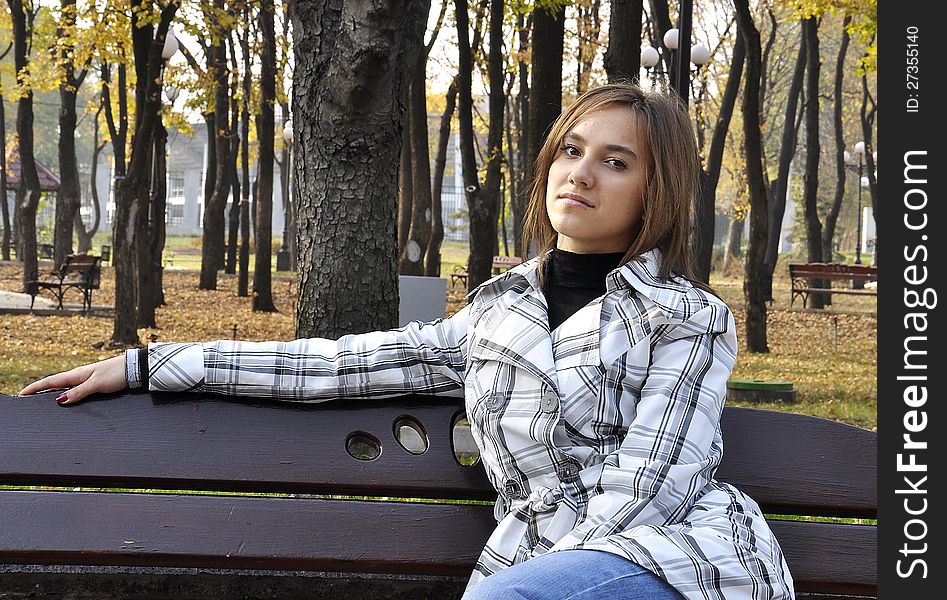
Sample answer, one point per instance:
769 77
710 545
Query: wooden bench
287 525
805 275
81 272
500 264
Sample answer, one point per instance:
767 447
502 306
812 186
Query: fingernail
62 398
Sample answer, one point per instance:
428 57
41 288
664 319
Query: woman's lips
574 200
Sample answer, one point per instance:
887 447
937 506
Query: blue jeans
574 575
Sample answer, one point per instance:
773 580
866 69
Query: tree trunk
69 196
483 210
85 235
828 232
787 149
419 236
212 246
521 122
731 257
405 186
753 142
545 94
703 235
4 208
265 124
243 279
622 60
813 153
150 292
433 263
867 119
233 214
28 192
661 21
589 25
132 192
348 136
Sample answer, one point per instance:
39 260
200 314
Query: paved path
20 300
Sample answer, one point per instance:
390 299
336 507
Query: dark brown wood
200 441
800 465
242 532
789 463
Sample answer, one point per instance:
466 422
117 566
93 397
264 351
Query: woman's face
597 182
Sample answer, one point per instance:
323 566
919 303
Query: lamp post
860 151
282 255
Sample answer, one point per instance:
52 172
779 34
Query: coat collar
512 325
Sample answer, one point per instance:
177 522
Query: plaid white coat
603 435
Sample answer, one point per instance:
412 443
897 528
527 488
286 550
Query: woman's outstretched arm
418 358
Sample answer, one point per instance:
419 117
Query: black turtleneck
573 280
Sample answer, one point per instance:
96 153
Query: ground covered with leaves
829 355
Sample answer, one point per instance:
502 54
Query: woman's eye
617 163
570 150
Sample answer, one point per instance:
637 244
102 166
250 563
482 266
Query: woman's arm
668 455
418 358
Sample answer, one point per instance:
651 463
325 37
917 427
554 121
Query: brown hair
671 182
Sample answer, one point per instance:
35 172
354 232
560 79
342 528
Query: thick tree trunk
828 232
432 266
622 60
485 207
348 136
212 245
265 124
28 192
545 94
753 144
813 153
150 292
132 191
787 149
70 196
703 236
661 22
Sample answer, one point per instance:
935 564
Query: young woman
594 378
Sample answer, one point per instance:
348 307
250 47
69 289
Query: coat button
549 402
496 401
568 472
512 489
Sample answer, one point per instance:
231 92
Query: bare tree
265 123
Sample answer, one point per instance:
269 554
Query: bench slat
232 532
788 463
792 464
208 442
86 528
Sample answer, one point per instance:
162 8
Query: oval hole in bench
363 446
462 443
411 435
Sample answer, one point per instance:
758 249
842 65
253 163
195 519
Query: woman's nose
581 174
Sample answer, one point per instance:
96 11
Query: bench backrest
833 271
506 262
790 464
83 266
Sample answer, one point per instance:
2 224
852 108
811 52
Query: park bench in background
500 264
81 272
805 275
307 541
